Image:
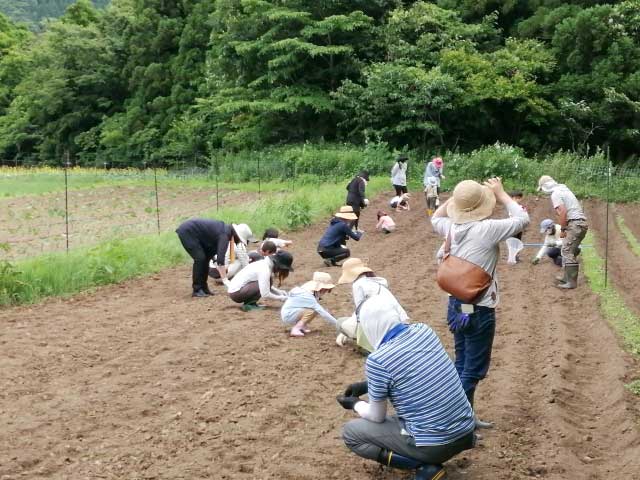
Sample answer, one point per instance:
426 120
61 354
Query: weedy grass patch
628 234
113 261
612 305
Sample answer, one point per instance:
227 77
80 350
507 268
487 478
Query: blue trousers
473 345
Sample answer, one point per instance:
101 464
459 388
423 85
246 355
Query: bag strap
447 244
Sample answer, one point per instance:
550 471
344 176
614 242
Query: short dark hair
269 247
270 233
516 193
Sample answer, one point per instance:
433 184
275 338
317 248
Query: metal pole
155 180
217 185
259 183
66 199
606 238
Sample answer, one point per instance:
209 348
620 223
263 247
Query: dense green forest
167 79
32 12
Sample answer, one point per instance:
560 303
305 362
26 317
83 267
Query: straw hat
470 202
352 269
321 280
244 233
346 213
544 179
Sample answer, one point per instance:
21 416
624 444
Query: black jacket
213 235
355 193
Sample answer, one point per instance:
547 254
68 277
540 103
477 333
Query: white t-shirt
561 195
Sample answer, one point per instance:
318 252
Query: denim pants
473 345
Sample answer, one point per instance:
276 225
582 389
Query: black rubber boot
431 472
395 460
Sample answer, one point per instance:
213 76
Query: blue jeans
473 345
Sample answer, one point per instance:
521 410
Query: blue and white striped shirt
415 373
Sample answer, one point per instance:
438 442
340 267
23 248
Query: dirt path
631 214
140 381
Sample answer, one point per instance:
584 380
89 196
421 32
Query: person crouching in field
472 242
331 246
385 222
302 304
552 242
400 202
366 285
256 281
203 239
409 368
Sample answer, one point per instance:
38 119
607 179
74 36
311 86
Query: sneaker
327 262
199 294
248 307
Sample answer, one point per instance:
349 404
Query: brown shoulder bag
464 280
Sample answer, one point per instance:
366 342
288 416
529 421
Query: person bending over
331 246
410 369
255 281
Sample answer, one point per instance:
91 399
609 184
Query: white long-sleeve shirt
478 242
550 241
399 174
260 272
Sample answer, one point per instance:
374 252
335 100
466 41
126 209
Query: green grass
634 387
628 234
612 305
63 274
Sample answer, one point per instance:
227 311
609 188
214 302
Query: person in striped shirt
410 368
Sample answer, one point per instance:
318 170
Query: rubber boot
431 472
479 423
248 307
571 281
429 212
563 277
395 460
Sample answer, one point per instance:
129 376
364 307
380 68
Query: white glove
366 202
227 282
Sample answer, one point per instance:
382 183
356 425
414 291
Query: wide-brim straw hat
346 213
471 202
320 281
352 269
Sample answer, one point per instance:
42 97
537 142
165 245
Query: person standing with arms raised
472 240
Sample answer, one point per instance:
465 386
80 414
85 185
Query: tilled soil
140 381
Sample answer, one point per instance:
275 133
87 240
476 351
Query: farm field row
139 380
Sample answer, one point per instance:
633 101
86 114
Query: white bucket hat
321 280
244 232
470 202
352 269
546 183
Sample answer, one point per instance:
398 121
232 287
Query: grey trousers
576 231
367 439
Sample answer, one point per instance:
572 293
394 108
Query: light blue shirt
415 373
300 299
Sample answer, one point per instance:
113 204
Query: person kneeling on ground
365 286
400 202
409 367
203 239
255 281
303 305
330 246
385 222
552 243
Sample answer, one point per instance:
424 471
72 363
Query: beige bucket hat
346 213
321 280
352 269
244 233
470 202
544 179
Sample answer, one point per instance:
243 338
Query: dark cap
403 157
283 260
364 174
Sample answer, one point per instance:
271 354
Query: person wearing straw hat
573 227
365 286
255 281
399 174
303 304
356 194
331 246
433 420
475 237
203 239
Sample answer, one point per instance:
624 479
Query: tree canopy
166 79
